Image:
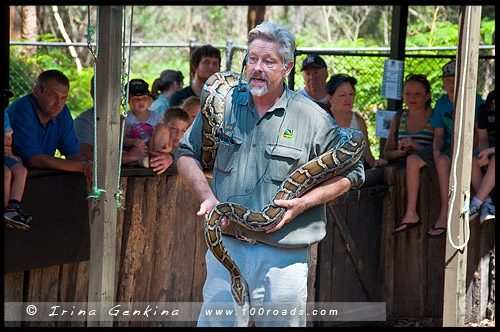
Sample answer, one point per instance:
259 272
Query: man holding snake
268 131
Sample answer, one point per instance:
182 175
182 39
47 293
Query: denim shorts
9 162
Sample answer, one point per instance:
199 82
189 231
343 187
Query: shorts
425 154
9 162
446 149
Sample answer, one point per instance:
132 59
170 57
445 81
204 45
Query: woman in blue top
410 142
169 82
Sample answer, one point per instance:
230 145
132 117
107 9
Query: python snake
339 158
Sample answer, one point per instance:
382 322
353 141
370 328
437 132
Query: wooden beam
398 50
255 16
463 134
398 44
104 213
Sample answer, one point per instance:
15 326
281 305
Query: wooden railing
160 247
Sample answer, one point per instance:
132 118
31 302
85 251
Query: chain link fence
149 60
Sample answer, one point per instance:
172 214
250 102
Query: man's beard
259 91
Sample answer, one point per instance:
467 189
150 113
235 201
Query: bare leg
443 164
19 173
488 181
7 178
160 141
413 165
476 175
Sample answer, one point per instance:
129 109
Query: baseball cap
313 60
449 69
338 79
139 87
7 93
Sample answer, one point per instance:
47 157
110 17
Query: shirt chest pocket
226 154
283 160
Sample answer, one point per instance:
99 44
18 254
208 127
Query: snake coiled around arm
345 153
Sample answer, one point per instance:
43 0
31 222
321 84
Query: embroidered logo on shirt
288 135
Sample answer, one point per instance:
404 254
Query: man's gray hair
275 33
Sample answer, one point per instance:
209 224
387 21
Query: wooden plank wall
160 253
412 265
348 257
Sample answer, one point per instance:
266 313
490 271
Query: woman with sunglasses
340 94
410 142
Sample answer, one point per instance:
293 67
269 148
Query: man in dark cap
315 73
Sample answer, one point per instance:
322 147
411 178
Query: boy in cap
140 122
442 121
315 73
14 176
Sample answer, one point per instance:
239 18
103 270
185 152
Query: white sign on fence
383 123
392 80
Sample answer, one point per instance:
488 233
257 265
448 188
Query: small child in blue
14 181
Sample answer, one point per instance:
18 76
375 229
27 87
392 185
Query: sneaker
487 212
14 219
473 211
26 217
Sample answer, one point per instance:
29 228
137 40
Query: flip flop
409 225
443 233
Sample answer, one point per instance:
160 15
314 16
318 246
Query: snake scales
343 155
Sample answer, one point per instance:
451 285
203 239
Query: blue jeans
275 280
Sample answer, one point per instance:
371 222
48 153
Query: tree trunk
29 28
255 16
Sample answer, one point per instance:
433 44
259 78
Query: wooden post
460 174
104 213
398 52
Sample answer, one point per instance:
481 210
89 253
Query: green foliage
44 59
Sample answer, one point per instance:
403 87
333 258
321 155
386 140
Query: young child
192 106
140 122
14 180
169 131
442 121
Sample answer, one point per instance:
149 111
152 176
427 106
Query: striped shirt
423 137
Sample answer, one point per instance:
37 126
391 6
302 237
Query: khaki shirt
256 154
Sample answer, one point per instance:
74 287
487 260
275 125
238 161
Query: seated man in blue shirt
42 123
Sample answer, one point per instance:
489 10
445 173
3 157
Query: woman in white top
340 94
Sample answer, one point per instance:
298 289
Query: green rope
96 191
125 87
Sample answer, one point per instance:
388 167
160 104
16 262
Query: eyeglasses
416 77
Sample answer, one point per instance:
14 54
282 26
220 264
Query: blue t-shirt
30 136
6 122
160 104
442 116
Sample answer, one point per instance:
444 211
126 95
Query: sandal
441 234
409 225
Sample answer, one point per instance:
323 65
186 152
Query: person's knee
414 162
19 171
443 162
7 174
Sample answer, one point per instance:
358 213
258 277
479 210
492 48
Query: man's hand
294 207
160 162
207 206
88 171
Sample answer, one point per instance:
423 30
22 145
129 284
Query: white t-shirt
142 130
